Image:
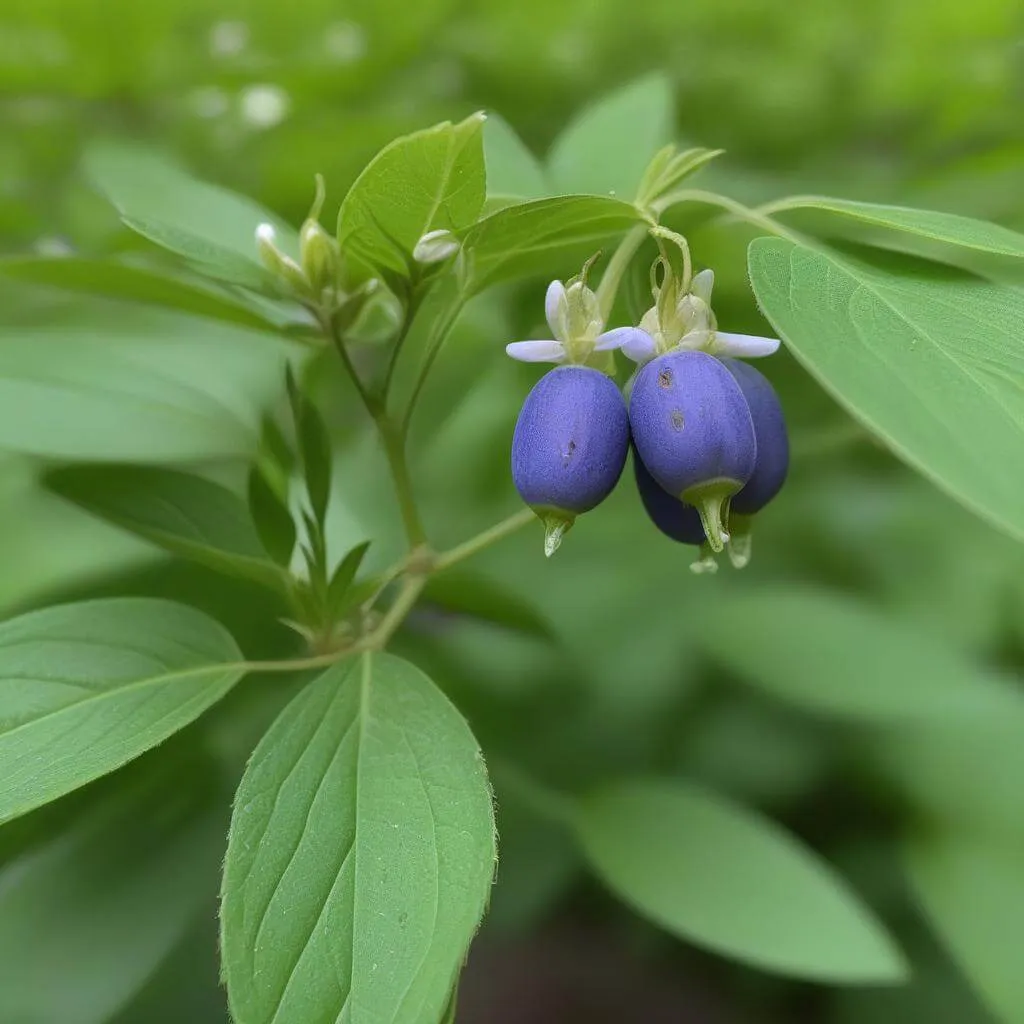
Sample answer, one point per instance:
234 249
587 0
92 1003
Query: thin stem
413 307
393 439
438 335
484 540
612 278
330 328
394 448
395 615
752 216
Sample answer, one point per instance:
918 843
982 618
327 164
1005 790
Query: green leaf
102 903
119 383
529 237
360 855
608 147
272 519
963 774
930 362
338 590
426 181
973 892
933 225
138 284
734 882
211 226
512 170
85 688
314 449
186 514
837 657
466 592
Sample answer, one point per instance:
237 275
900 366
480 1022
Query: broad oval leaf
84 688
184 513
360 856
727 879
115 383
608 147
513 172
426 181
972 889
530 237
933 364
204 223
835 656
933 225
103 902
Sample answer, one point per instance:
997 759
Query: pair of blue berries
708 435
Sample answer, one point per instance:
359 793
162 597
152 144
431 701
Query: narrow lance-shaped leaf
84 688
184 513
339 590
929 361
141 284
208 225
272 519
360 856
727 879
314 449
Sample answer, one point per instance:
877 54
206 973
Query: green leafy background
843 721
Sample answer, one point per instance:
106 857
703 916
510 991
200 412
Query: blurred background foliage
612 659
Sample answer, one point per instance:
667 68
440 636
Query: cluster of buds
709 440
318 277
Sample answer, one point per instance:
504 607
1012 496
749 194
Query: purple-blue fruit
693 431
772 463
675 519
569 446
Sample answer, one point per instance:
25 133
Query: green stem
612 278
395 615
485 539
393 438
438 335
750 215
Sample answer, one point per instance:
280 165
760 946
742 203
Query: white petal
746 346
621 336
638 345
702 284
536 351
556 309
265 232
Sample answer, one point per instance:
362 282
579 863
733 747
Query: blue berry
569 446
772 439
675 519
692 429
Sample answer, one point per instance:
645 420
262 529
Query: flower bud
435 247
693 431
281 266
569 446
320 256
